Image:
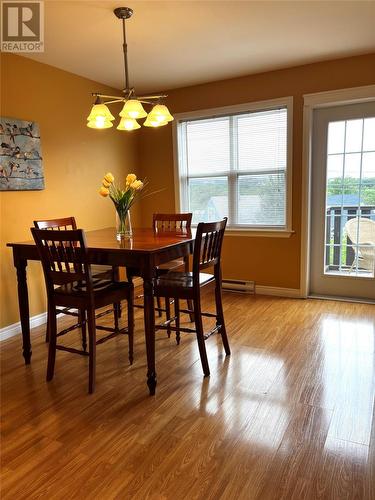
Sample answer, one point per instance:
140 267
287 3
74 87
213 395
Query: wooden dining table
146 250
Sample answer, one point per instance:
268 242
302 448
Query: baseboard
294 293
341 299
15 329
259 289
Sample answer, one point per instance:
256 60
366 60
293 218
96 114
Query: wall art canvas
21 165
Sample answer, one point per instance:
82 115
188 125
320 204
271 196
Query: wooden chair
161 223
172 222
69 284
187 286
57 224
98 272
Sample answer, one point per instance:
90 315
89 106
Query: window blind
236 166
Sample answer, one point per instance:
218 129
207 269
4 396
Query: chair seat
166 284
103 290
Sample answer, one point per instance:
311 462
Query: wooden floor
288 415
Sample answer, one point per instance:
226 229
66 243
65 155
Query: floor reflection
240 398
348 377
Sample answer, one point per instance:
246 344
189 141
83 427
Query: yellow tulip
130 179
137 185
103 191
105 183
109 177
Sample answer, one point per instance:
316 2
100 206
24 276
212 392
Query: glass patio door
342 239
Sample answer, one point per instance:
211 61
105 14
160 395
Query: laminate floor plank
289 415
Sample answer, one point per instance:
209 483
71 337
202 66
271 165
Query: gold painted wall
74 159
268 261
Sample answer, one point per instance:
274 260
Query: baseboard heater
239 286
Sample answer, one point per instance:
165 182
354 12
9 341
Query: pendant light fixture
100 116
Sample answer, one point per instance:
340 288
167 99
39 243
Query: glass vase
123 225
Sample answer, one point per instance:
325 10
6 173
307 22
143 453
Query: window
234 162
350 198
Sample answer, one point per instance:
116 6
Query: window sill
260 233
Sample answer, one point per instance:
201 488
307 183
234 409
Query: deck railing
336 239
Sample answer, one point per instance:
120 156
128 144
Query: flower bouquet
123 199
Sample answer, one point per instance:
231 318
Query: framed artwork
21 165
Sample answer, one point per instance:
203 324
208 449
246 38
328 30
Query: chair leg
92 348
168 314
52 341
189 302
177 314
220 318
158 301
82 320
48 328
116 277
191 308
131 327
129 277
200 337
116 315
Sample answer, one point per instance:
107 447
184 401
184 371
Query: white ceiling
178 43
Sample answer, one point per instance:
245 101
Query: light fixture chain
125 49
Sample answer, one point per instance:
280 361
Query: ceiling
179 43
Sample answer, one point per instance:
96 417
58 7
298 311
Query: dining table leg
23 303
149 317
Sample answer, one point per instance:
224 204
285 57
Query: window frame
181 180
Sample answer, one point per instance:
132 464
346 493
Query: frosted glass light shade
99 123
128 124
161 113
133 109
100 110
151 121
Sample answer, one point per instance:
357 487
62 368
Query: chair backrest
56 224
207 246
64 257
361 230
171 222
